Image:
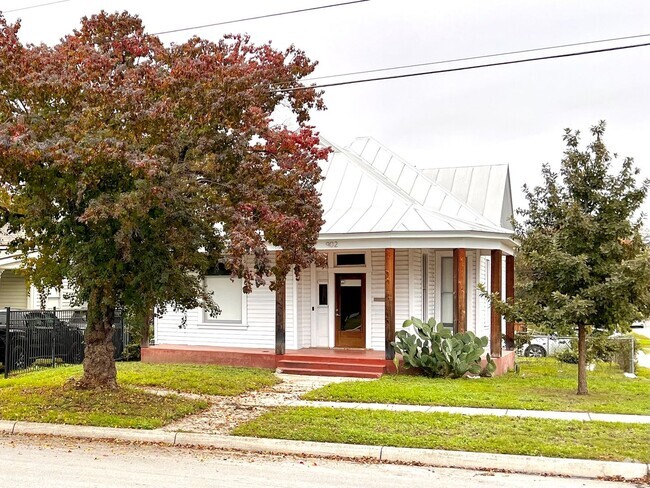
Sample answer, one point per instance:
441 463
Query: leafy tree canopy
581 258
132 166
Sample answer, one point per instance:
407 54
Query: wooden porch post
460 290
510 298
495 319
389 303
280 316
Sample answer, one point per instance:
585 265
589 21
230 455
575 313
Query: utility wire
473 58
463 68
32 6
257 17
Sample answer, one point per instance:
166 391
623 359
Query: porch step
334 368
336 359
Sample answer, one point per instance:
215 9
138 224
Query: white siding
483 323
415 283
402 298
304 308
432 284
257 331
377 304
13 290
291 329
472 291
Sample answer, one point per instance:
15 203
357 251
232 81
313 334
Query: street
56 462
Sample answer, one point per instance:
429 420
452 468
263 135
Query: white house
400 242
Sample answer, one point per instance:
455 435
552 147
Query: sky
513 114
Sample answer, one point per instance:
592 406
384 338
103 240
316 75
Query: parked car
539 346
79 319
39 335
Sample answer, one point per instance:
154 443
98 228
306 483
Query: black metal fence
31 339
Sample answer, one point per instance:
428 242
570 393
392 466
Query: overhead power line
257 17
473 58
463 68
32 6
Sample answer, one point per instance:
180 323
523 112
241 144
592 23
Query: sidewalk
497 412
573 468
297 385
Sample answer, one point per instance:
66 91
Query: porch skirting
363 362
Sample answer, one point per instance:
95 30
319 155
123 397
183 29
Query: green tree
581 260
133 167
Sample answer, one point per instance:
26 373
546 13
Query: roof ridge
412 202
480 218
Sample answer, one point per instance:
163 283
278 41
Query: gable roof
368 189
485 189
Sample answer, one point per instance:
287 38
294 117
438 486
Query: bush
437 352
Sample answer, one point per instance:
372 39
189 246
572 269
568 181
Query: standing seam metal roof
385 193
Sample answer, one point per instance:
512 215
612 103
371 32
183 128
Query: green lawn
508 435
190 378
644 342
541 384
41 396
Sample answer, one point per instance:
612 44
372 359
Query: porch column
280 315
510 298
460 290
495 319
389 303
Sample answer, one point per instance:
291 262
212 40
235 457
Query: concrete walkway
288 393
497 412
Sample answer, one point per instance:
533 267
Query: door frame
340 339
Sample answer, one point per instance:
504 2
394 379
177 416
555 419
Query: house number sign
332 243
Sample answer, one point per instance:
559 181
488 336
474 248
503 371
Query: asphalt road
54 462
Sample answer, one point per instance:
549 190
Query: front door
350 310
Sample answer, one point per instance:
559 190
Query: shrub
437 352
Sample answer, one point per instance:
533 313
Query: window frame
206 319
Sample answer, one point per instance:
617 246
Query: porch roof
368 193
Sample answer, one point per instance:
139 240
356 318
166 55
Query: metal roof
486 189
369 189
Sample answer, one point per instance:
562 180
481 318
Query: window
447 292
227 293
322 294
350 259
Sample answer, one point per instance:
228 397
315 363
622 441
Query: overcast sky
514 114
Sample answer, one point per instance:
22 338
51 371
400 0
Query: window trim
346 266
205 318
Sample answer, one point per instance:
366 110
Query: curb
581 468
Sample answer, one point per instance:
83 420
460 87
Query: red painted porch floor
360 363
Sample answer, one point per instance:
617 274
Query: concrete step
329 372
332 366
335 359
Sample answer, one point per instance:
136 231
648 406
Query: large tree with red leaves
133 166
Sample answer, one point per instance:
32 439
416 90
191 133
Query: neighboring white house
440 227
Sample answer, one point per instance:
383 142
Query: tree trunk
582 360
145 324
99 360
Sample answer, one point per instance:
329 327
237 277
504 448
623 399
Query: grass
644 342
190 378
541 384
41 396
507 435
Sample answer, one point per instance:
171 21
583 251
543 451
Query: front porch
357 363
